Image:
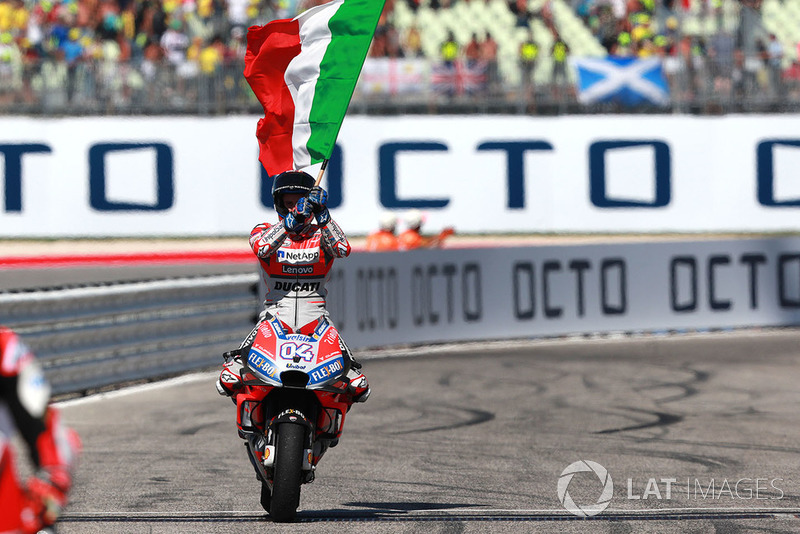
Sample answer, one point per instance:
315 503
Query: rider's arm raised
266 239
334 240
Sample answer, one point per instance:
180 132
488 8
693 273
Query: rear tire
288 472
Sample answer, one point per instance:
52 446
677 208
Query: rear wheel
288 472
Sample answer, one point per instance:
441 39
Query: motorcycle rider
296 257
24 397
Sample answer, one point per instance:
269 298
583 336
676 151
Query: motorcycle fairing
274 351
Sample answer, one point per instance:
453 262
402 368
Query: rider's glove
297 220
318 198
48 496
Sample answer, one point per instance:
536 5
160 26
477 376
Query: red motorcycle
291 408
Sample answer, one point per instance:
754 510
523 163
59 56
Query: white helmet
414 218
387 221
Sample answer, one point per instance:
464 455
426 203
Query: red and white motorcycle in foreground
291 408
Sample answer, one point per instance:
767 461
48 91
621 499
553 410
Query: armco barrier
91 337
96 336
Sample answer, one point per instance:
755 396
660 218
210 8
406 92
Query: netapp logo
298 256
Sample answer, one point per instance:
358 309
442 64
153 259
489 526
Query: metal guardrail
92 337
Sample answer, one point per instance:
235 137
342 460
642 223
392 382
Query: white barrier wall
391 298
179 176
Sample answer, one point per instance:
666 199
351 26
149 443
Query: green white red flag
304 71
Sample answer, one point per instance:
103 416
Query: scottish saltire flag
304 71
627 81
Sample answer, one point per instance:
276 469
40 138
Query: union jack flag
459 77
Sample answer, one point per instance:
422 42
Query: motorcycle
291 408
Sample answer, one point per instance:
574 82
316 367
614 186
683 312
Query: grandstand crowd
109 56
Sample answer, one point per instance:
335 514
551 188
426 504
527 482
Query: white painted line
170 382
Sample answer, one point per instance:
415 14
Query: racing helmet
289 182
387 221
414 218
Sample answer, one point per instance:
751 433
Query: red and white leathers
295 269
53 448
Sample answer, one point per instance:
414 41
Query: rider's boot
359 385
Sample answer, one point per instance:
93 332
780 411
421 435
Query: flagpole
321 172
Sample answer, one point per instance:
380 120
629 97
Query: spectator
412 42
472 52
489 57
792 78
528 55
775 65
393 46
449 49
210 61
378 46
412 237
721 52
175 44
605 27
10 68
211 57
384 238
73 54
152 58
519 8
237 46
560 53
624 45
237 14
697 51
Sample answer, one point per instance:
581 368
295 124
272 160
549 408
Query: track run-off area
682 433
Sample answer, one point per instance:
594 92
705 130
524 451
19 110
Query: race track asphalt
475 439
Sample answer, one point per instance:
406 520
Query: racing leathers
295 268
53 448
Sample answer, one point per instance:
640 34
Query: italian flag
304 71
